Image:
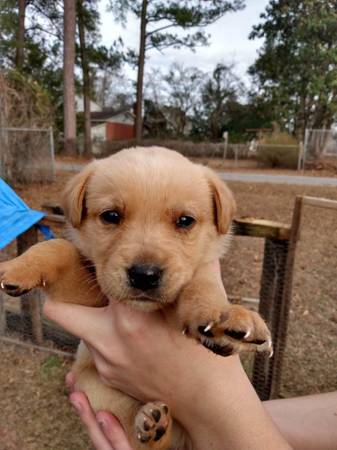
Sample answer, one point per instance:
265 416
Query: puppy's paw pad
152 422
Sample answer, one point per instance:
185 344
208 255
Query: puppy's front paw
17 279
152 424
235 330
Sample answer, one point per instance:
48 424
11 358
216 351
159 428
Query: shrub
186 148
278 150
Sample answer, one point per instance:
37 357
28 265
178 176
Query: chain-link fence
319 145
27 155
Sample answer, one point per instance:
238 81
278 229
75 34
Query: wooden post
2 315
30 303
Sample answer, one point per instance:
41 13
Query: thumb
82 321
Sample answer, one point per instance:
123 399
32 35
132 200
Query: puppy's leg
148 426
56 266
205 313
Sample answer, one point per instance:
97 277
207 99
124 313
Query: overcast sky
228 42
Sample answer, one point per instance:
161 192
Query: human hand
209 395
143 344
105 431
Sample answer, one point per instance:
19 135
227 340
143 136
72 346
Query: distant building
111 124
79 105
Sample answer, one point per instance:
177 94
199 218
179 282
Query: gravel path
243 177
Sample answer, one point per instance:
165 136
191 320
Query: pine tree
159 24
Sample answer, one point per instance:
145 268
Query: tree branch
38 27
159 29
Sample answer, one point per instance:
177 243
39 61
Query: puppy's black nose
144 276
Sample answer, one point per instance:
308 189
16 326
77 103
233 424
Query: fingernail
76 405
102 423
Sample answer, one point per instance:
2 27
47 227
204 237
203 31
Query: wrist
206 381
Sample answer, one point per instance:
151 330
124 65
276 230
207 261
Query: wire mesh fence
320 145
27 154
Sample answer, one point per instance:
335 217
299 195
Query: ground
35 414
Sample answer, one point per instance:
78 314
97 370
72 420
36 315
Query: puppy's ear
224 203
74 196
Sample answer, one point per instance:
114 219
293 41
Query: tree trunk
140 78
69 23
20 39
86 81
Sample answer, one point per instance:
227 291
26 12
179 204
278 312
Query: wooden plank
2 314
53 219
32 346
261 228
30 302
241 227
54 208
237 299
319 202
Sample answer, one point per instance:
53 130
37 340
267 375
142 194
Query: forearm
308 423
220 410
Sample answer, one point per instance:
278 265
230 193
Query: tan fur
151 188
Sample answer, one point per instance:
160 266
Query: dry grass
35 414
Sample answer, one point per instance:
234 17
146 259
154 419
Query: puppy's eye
185 221
111 216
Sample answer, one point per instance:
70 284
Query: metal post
52 152
236 151
300 157
306 139
225 137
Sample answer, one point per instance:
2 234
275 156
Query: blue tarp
15 216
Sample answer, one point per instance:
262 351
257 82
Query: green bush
278 150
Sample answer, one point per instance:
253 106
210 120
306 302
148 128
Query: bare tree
69 24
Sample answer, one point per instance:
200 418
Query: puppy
143 225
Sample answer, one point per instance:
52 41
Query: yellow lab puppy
144 223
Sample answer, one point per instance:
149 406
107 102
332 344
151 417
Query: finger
70 381
87 416
82 321
113 431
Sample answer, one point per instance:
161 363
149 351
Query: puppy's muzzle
144 276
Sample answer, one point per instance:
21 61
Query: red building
113 125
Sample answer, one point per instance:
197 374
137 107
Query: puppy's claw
44 283
270 348
208 327
246 336
184 331
2 285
